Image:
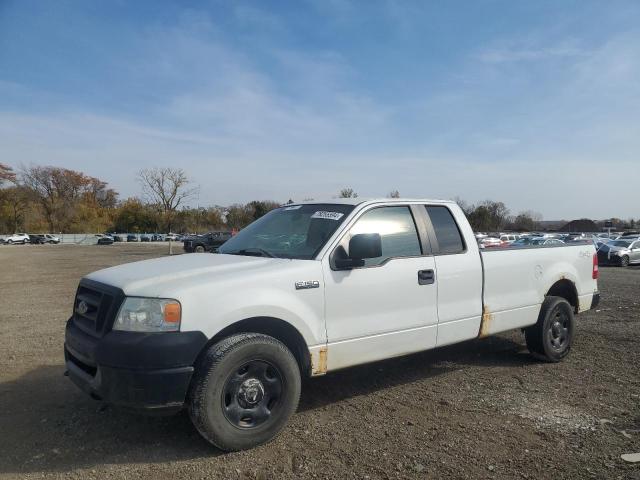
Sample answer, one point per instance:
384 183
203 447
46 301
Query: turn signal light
594 273
172 313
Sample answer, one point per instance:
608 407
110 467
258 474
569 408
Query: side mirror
361 247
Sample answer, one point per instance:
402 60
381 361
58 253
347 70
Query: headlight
148 315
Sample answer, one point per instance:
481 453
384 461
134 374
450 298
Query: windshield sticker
328 215
295 207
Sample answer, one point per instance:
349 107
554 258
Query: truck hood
160 276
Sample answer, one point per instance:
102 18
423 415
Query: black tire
199 249
624 261
9 242
551 337
226 405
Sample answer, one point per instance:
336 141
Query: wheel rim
251 394
559 330
625 261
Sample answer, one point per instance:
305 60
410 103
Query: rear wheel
10 242
199 249
624 261
550 338
244 390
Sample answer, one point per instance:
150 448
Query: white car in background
488 242
18 238
51 238
509 238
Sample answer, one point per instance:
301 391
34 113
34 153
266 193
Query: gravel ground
482 409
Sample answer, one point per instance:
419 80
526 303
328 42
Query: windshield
295 231
619 243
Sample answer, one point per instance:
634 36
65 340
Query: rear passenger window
397 231
446 229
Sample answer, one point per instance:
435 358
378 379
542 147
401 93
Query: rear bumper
142 371
595 301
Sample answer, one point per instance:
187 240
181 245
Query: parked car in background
145 238
37 239
117 238
208 242
546 241
509 237
54 239
156 237
537 241
171 236
490 242
619 252
18 238
132 238
104 239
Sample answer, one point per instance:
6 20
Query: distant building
582 225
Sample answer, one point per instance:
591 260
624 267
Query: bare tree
166 188
347 193
393 194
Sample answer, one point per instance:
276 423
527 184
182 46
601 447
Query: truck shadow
49 426
365 379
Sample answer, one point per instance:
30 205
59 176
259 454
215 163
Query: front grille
94 308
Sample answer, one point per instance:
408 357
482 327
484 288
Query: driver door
386 308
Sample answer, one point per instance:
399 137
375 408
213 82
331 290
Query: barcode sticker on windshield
328 215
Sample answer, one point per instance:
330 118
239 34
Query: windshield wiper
253 252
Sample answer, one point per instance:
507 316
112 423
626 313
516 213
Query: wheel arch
274 327
566 289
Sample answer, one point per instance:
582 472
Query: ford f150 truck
308 289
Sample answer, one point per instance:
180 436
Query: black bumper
142 371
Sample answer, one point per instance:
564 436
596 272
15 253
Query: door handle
426 277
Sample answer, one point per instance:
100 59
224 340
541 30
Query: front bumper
142 371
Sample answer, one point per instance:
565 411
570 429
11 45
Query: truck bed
516 280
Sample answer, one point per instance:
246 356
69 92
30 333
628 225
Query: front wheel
199 249
624 261
10 242
244 390
550 338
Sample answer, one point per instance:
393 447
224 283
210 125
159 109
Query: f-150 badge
307 284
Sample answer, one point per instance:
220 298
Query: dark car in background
209 242
132 238
105 239
37 239
145 238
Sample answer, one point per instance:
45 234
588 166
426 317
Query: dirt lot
483 409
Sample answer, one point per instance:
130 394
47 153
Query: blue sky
534 103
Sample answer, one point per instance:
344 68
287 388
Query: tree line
54 199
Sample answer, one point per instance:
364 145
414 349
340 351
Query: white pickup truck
308 289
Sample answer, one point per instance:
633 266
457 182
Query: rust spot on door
485 323
319 362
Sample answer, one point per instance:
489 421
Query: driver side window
397 231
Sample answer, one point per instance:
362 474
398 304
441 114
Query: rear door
635 252
459 272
